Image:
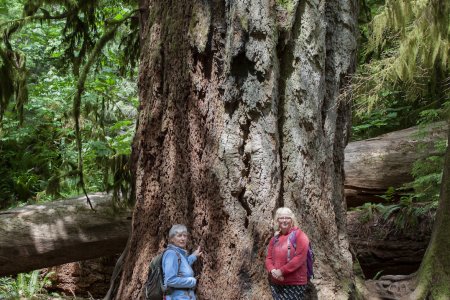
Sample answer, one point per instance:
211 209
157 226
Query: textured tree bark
88 278
239 114
374 165
38 236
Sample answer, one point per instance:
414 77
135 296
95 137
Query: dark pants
288 292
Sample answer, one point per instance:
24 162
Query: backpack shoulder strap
276 237
292 240
179 263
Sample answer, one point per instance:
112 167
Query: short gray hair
176 229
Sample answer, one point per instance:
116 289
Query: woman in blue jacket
179 280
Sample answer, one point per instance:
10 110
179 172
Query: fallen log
374 165
38 236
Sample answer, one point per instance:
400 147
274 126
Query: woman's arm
170 269
191 259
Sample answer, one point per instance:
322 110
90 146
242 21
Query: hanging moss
13 81
416 34
6 82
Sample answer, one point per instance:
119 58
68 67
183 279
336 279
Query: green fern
369 211
389 210
25 285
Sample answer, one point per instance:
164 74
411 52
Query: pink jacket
294 271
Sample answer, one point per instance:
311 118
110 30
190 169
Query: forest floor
389 287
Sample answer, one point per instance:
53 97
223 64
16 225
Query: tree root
393 287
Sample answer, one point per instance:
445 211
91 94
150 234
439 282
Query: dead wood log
37 236
374 165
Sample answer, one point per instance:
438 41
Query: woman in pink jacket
286 258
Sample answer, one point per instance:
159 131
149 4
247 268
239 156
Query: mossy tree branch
107 36
29 19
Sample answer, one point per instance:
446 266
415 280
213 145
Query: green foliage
389 195
380 120
378 275
427 173
404 215
430 115
38 159
369 211
403 64
25 285
403 80
423 30
287 4
420 197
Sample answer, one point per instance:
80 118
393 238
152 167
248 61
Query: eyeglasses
182 234
284 218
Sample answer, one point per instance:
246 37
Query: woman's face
180 239
284 222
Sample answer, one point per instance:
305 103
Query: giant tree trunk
239 115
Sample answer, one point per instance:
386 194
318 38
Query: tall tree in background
433 277
410 45
240 114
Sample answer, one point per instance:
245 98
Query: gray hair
176 229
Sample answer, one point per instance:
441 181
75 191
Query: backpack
292 240
154 286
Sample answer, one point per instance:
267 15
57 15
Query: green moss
359 290
287 4
287 14
441 292
244 22
433 278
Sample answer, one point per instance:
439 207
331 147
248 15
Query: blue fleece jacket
179 286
